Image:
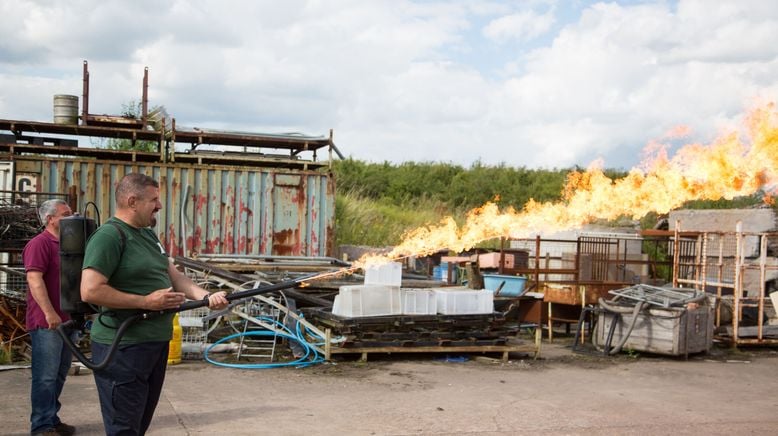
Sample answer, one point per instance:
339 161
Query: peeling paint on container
227 210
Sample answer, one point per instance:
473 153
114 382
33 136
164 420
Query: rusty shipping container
206 208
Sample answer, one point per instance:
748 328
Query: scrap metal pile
485 331
13 335
18 224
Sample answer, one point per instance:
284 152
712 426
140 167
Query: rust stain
211 245
200 201
228 220
193 242
172 248
252 238
263 237
287 242
228 245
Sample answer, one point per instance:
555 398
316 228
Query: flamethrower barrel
238 295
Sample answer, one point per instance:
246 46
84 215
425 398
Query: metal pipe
738 291
145 99
246 257
183 218
85 96
762 282
676 254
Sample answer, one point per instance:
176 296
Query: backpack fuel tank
74 232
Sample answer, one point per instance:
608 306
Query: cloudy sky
542 83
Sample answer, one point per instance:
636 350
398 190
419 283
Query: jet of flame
726 168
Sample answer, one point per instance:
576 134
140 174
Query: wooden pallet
453 347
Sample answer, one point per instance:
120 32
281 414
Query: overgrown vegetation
363 221
452 185
134 110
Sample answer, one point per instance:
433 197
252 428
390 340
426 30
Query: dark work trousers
129 387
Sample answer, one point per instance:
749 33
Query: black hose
64 330
97 211
64 327
609 339
618 312
638 308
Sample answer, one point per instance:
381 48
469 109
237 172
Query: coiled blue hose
311 356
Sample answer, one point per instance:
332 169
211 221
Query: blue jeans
130 386
50 363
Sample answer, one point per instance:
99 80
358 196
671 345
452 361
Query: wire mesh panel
13 283
194 329
656 296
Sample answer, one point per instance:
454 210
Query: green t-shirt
141 268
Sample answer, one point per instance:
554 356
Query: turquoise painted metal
209 208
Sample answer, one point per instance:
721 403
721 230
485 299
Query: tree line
453 185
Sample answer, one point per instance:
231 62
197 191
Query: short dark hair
133 184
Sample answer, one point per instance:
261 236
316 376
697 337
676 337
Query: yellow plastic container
174 352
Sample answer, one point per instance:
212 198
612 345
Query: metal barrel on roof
65 109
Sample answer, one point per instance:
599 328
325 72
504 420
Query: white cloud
404 80
612 68
521 26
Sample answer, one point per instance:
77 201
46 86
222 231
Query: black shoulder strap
122 236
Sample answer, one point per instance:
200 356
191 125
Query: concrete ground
563 393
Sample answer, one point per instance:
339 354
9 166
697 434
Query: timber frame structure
233 147
739 270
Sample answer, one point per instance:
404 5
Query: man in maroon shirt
51 358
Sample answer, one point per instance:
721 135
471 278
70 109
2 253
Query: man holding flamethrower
126 271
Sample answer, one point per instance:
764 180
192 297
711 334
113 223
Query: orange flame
726 168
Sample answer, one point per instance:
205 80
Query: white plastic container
336 305
459 301
389 274
355 301
419 302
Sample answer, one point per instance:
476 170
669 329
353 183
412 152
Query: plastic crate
355 301
384 274
440 272
464 301
513 287
419 302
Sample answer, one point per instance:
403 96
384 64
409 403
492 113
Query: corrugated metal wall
209 208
